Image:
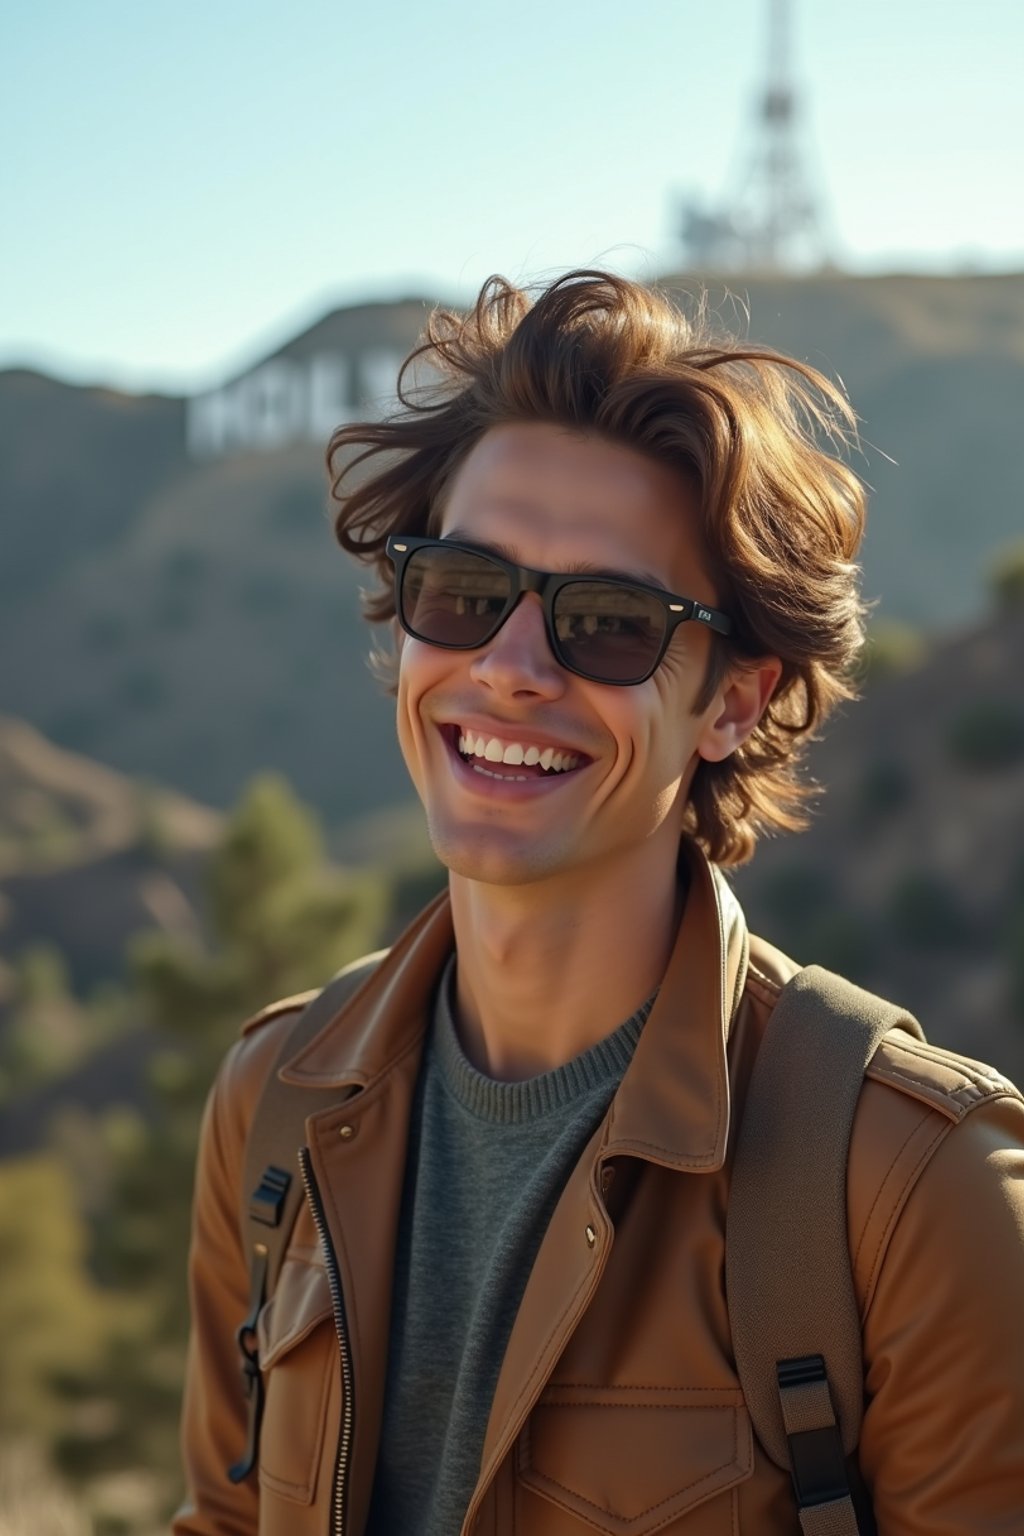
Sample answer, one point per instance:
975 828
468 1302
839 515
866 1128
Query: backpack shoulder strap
793 1311
271 1188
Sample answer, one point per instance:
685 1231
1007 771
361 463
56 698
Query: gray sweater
487 1162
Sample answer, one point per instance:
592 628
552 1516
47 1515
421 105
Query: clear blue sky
183 186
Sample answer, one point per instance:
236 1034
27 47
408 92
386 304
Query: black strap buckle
816 1456
266 1204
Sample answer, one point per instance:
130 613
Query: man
622 564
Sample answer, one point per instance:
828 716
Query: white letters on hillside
290 400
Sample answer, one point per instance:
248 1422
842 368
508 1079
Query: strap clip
816 1454
246 1338
266 1204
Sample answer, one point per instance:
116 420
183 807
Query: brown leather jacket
618 1408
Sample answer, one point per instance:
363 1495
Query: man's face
554 500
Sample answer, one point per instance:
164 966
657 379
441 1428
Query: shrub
1006 577
797 893
154 833
925 914
79 727
143 688
842 941
105 632
887 786
988 735
891 648
53 1318
174 610
184 570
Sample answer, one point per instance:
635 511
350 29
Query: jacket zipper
338 1303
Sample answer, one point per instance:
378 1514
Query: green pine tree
280 921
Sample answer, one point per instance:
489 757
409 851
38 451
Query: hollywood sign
290 400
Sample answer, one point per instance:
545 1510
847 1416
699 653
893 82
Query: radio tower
772 223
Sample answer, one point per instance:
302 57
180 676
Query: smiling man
618 561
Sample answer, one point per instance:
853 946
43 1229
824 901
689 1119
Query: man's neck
546 970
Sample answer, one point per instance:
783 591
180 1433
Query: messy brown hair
757 435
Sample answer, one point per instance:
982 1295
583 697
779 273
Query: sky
185 187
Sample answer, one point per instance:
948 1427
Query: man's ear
737 707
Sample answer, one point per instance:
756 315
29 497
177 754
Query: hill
172 602
934 367
911 877
88 857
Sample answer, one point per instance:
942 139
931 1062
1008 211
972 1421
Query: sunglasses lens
452 597
608 631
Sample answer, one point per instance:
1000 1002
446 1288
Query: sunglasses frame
547 585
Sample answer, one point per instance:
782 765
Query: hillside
934 367
76 466
88 857
911 878
189 619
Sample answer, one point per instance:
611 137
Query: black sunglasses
608 629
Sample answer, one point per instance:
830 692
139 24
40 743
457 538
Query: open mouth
517 761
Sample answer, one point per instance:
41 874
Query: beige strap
836 1518
788 1276
807 1407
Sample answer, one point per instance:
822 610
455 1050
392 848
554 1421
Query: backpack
793 1312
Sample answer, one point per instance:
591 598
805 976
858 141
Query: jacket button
591 1236
346 1132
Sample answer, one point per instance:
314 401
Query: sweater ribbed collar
602 1065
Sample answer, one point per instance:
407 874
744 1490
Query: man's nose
519 659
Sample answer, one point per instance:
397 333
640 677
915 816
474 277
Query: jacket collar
673 1104
387 1014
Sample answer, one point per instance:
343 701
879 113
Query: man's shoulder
264 1034
939 1078
274 1013
768 970
343 983
945 1080
934 1129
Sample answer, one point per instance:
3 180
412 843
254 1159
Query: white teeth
514 753
505 778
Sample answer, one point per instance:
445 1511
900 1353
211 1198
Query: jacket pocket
634 1461
298 1351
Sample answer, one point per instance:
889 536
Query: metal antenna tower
772 222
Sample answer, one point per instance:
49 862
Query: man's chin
493 855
